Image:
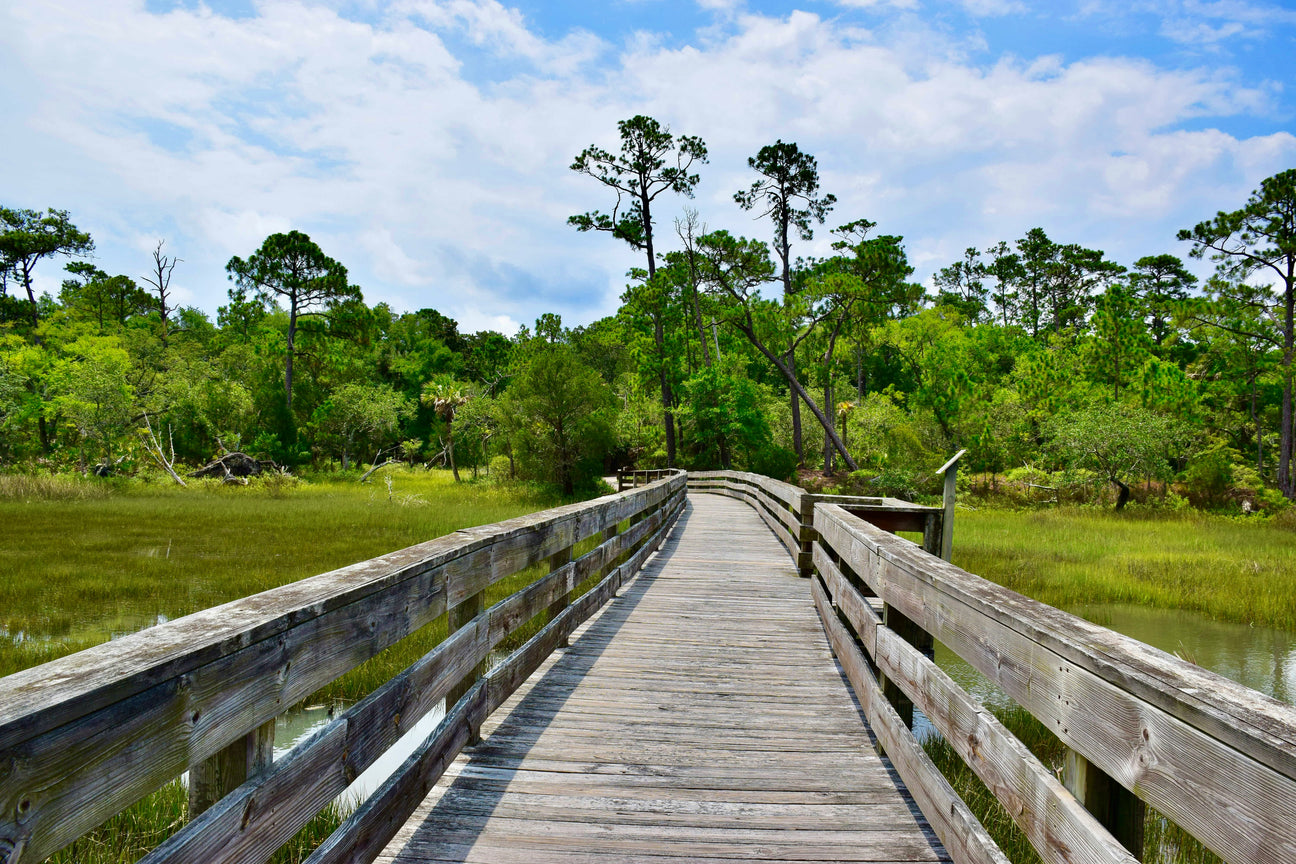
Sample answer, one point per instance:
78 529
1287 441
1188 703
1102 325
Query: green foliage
1119 442
560 415
651 161
723 419
774 461
359 416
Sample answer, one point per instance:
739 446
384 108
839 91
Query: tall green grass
1227 568
139 829
82 569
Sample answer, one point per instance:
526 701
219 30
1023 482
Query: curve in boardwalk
701 716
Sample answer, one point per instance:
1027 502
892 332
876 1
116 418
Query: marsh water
1261 658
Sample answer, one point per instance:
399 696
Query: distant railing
789 510
633 479
1214 757
84 737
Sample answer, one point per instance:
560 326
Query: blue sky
425 143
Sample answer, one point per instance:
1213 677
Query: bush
501 469
774 461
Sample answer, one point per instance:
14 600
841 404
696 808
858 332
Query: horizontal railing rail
1142 727
634 478
85 736
789 510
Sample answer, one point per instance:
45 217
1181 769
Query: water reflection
295 726
1261 658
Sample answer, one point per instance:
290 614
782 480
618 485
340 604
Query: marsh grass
84 566
138 829
1226 568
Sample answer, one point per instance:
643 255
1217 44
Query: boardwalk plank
700 716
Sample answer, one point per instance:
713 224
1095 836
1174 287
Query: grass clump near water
137 830
1227 568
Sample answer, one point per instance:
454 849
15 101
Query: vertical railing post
217 776
906 629
557 561
459 617
1116 808
950 470
805 516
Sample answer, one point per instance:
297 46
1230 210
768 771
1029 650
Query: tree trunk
288 366
697 312
31 296
454 469
796 411
832 420
1123 497
750 333
668 398
1255 420
1285 479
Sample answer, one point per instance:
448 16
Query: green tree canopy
291 269
562 412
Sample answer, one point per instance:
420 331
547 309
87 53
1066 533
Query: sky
426 144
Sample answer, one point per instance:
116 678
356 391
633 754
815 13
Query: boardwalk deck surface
700 717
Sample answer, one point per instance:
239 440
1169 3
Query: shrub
774 461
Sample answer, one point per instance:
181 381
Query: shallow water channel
1261 658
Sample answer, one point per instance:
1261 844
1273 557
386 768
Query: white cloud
439 185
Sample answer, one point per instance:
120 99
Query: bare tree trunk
288 367
1123 497
1255 420
668 398
748 330
832 421
796 410
154 449
377 465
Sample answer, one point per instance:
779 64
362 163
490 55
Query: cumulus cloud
438 183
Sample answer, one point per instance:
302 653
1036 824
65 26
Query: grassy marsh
1227 568
85 566
1234 569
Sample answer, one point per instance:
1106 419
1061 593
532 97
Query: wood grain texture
85 736
964 836
1213 756
378 819
698 716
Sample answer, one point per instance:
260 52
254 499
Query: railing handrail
84 736
1213 756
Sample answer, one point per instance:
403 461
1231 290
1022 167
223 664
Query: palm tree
447 396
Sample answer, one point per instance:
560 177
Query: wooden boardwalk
701 716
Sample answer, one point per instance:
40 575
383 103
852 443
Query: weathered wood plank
381 816
83 737
1147 719
1058 826
699 716
960 832
266 812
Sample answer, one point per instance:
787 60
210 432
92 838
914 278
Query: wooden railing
85 736
634 478
789 510
1141 726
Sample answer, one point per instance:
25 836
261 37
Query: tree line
1034 354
